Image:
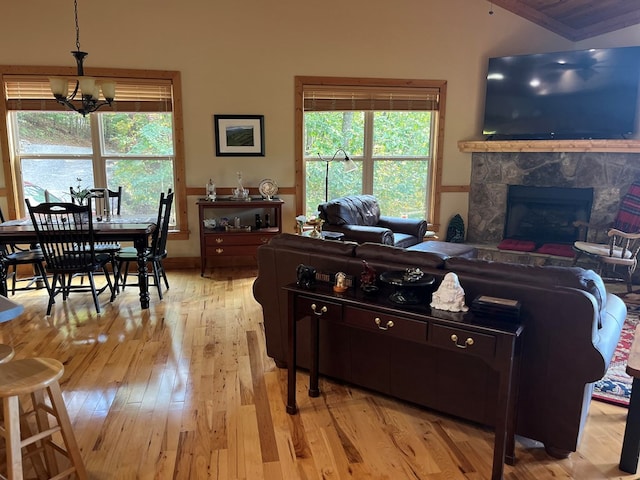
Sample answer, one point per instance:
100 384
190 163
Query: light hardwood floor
185 390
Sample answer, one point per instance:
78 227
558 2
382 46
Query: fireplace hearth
546 215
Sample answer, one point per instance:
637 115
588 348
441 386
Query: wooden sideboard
495 343
220 241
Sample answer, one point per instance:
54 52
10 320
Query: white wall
241 57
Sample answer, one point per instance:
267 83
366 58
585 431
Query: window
131 145
389 130
54 151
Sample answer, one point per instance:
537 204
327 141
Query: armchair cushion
351 210
363 233
409 226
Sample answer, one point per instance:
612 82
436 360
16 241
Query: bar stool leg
67 430
33 451
42 420
11 409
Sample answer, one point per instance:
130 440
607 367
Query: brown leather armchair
358 218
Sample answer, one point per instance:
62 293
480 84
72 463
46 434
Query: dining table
117 229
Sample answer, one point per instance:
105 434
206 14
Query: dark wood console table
496 343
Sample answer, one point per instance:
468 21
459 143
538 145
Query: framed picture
239 135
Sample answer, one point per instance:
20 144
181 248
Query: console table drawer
321 308
394 326
460 339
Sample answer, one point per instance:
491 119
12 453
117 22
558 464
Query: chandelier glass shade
85 97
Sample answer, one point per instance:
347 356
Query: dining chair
155 253
14 255
65 234
107 207
104 209
113 202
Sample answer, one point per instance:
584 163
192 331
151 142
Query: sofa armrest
362 233
409 226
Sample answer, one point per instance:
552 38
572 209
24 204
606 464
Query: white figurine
450 295
211 190
240 192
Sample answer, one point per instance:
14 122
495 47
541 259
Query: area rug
615 386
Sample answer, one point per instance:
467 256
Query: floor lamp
349 166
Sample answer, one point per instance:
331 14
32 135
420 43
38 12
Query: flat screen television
563 95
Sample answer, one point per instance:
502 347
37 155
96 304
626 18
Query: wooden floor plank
185 390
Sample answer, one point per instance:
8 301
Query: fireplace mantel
497 146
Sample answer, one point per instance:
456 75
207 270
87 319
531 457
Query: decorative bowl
209 223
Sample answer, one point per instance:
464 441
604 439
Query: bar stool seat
35 377
6 352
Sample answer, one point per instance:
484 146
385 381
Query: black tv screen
565 95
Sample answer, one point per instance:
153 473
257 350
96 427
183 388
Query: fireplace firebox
545 215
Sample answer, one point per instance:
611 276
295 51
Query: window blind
329 97
30 92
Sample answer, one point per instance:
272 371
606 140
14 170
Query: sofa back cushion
548 276
351 210
374 252
313 245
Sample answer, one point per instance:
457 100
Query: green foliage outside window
136 136
401 152
137 149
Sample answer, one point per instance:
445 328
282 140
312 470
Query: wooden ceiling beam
576 19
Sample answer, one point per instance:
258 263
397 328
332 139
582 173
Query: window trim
10 190
433 213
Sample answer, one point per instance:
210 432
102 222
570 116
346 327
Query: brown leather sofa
572 326
359 219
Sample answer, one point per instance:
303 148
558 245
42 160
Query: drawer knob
467 343
219 240
264 240
219 250
386 326
322 310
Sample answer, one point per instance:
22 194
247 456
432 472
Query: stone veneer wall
610 175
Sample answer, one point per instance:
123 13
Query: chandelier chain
75 7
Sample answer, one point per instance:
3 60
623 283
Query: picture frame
239 135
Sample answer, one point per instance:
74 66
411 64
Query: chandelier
89 89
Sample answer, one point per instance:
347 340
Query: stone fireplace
608 174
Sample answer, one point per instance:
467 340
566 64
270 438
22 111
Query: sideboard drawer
398 327
324 309
460 339
225 250
226 239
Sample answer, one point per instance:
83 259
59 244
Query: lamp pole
349 167
326 183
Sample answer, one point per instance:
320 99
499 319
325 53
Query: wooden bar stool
36 377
